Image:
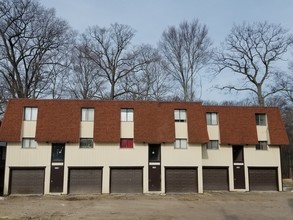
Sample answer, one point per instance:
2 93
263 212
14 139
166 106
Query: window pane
183 143
262 145
123 116
183 115
33 143
58 152
177 115
25 143
180 115
214 144
260 119
177 144
90 114
208 117
130 143
214 119
123 143
86 143
34 114
29 143
87 114
27 113
83 114
154 152
130 115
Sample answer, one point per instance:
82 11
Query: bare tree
151 83
252 51
186 49
110 49
85 82
285 82
32 42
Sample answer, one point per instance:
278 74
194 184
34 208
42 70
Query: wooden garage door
181 180
85 180
126 180
215 178
263 179
27 181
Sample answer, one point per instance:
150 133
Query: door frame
158 181
61 182
241 183
154 163
57 163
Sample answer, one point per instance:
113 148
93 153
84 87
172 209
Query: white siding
190 157
262 133
19 157
127 130
86 129
181 130
213 132
29 129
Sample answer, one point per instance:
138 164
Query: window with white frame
260 119
180 143
87 114
213 145
28 143
30 113
126 114
86 143
180 115
212 118
262 145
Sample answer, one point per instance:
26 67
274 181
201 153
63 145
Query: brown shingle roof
59 121
238 126
10 129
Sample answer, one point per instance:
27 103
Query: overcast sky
151 17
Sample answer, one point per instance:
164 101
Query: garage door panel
27 181
85 180
263 179
181 180
126 180
215 178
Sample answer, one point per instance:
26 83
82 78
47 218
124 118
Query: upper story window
260 119
58 152
181 144
126 114
30 113
86 143
262 145
87 114
180 115
29 143
126 143
212 118
213 144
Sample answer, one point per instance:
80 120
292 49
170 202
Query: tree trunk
261 99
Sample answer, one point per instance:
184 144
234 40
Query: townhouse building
89 146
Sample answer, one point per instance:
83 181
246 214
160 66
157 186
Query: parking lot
216 205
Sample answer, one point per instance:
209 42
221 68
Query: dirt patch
228 205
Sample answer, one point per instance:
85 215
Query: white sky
151 17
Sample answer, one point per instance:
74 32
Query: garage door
215 178
126 180
181 180
27 181
263 179
85 180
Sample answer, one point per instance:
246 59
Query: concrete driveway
228 205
